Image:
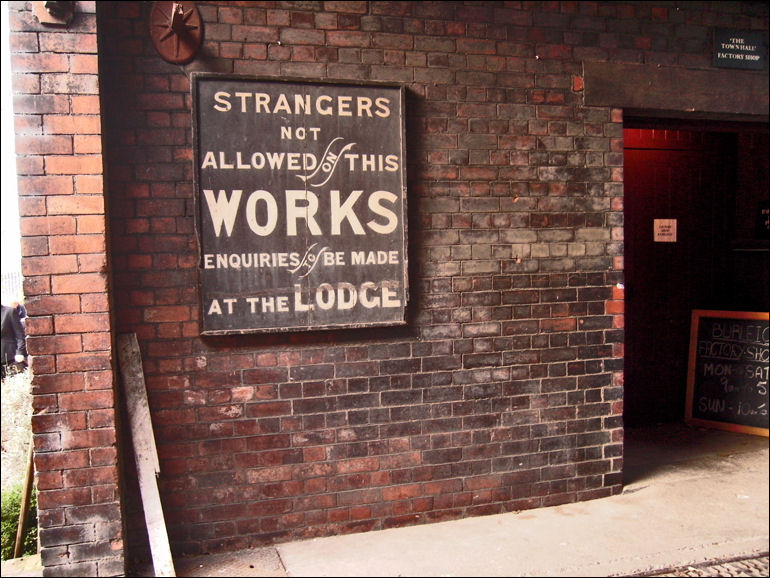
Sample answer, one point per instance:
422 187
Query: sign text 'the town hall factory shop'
301 204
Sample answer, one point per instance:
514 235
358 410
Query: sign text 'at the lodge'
301 204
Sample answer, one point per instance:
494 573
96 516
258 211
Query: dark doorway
696 178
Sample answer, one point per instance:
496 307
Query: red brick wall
505 390
64 247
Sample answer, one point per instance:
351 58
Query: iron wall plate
176 30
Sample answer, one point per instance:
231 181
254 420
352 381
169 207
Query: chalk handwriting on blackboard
728 373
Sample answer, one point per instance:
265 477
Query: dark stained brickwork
504 391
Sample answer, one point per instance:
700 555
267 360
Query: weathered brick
514 188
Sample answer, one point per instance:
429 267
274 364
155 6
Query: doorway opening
695 202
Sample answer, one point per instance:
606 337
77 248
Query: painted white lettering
375 206
299 305
374 257
271 213
223 104
222 210
239 162
332 258
307 212
344 296
261 101
343 106
367 301
344 212
209 161
262 211
244 96
303 104
389 297
383 108
282 104
222 162
323 107
364 106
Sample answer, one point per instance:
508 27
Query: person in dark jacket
14 347
22 311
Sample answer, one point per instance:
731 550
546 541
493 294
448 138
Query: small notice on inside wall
763 220
665 231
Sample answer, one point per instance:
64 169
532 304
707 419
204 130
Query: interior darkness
712 178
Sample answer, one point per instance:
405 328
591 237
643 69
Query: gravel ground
755 567
16 427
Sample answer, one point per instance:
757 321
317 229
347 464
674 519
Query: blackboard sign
727 373
300 204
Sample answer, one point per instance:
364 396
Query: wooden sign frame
301 204
697 315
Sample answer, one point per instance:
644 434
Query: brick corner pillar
62 207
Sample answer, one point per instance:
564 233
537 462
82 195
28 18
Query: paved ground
695 503
265 563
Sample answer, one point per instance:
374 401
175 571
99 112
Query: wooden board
674 88
301 204
145 452
728 369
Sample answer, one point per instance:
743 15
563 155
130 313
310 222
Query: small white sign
665 231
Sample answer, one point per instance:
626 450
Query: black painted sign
728 370
301 204
746 49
